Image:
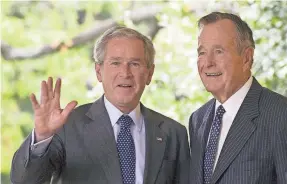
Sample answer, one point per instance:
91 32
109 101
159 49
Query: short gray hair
244 33
122 31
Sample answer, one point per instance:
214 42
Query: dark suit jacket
84 151
255 149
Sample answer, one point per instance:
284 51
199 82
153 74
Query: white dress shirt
231 106
137 131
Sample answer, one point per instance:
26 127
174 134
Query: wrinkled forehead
221 28
222 31
125 48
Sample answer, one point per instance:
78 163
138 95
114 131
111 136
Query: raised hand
48 115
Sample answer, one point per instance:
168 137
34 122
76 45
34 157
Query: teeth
213 74
125 85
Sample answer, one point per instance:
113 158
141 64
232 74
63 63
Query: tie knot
220 111
125 121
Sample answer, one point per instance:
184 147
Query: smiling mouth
213 74
125 86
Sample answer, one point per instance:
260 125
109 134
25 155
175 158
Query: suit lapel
100 142
203 133
241 130
155 146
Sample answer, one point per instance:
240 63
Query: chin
211 88
124 99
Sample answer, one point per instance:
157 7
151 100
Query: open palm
48 115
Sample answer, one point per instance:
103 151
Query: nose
210 59
125 70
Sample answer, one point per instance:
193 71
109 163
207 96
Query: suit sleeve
182 171
28 168
39 148
280 155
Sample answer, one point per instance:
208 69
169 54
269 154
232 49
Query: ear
150 74
98 68
248 58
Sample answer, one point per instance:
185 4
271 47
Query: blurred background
56 38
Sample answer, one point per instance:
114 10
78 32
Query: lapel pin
158 138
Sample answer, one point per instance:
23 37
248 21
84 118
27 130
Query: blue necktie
209 156
126 150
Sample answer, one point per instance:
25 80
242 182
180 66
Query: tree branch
10 53
154 28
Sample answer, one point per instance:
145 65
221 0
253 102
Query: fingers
34 101
57 90
47 92
68 109
44 92
50 88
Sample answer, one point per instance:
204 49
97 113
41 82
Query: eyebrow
114 58
111 59
199 48
213 47
134 59
218 47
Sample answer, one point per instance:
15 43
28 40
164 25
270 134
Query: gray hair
244 33
122 31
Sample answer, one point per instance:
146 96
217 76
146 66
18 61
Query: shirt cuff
39 148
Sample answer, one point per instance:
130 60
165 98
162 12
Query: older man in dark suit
115 140
240 136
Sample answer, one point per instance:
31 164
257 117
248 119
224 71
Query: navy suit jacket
255 149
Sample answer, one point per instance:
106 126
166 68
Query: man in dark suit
115 140
240 136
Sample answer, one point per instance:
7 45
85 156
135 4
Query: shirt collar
114 114
232 104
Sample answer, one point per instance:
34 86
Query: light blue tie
209 156
126 150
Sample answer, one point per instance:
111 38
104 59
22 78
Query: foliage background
176 90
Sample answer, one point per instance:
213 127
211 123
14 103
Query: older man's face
221 67
124 72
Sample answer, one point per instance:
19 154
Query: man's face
222 69
124 72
